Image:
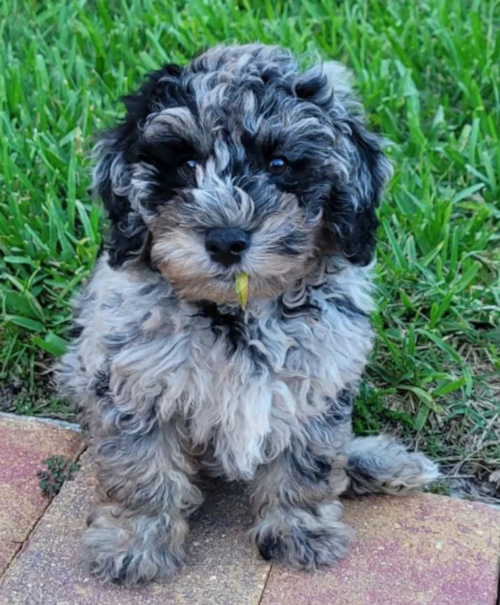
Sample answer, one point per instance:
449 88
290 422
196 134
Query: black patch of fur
75 331
345 399
340 410
291 244
271 547
122 574
308 88
308 308
346 306
311 467
307 177
145 290
101 383
231 326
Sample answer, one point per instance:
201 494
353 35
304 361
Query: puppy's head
240 162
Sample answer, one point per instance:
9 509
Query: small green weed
58 471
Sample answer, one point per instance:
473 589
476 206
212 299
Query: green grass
429 75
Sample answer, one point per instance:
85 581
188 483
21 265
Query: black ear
350 209
128 235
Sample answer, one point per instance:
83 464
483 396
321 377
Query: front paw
303 540
121 567
135 552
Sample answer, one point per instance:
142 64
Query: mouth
239 281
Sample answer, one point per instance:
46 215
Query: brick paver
24 444
421 550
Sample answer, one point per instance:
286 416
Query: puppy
238 164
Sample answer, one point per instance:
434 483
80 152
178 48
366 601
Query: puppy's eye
278 167
188 168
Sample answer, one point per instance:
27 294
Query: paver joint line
265 583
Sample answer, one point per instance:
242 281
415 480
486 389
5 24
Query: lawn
429 75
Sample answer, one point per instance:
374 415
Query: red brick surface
223 569
422 550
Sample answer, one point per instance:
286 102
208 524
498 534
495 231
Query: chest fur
246 385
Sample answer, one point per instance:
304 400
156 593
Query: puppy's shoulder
119 295
348 289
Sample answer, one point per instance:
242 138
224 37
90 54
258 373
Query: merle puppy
238 164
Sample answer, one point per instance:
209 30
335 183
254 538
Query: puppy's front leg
297 515
138 530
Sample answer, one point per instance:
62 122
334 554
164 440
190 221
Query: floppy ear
349 211
128 235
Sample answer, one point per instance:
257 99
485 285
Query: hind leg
382 465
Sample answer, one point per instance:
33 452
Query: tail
381 465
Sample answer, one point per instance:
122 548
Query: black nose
227 245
